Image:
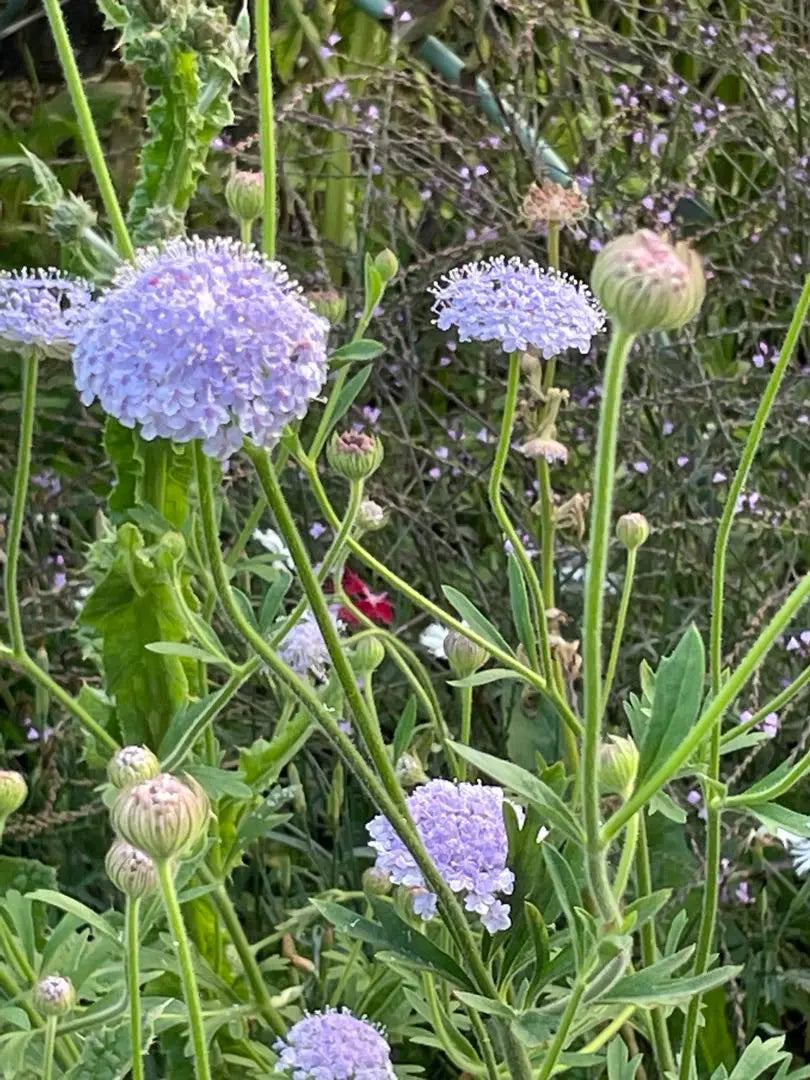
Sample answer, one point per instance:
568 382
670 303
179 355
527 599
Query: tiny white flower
432 639
272 542
798 847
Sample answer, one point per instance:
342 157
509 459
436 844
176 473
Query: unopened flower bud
354 454
618 765
371 516
376 881
644 282
369 653
244 194
163 816
409 771
54 995
465 656
632 530
130 870
330 304
131 764
13 792
386 264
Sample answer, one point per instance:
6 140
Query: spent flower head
334 1045
462 828
550 203
42 309
519 304
203 339
162 817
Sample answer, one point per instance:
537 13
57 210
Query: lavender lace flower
203 339
461 826
518 304
334 1045
304 648
42 309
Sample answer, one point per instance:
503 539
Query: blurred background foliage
690 117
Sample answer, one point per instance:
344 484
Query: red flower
374 605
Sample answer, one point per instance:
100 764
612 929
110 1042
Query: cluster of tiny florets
304 648
42 309
203 339
462 828
334 1045
519 304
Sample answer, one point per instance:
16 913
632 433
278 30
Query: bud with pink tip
244 194
644 282
130 764
354 454
54 995
163 817
130 870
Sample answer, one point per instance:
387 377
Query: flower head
54 995
374 605
799 849
42 309
130 870
462 828
162 817
552 204
203 339
334 1045
304 648
519 304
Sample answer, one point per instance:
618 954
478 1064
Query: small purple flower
42 309
304 648
204 339
462 828
518 304
338 91
334 1045
317 529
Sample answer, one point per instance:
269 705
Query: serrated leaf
760 1056
474 618
676 701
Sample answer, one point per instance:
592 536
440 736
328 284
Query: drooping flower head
462 828
334 1045
203 339
519 304
304 648
42 309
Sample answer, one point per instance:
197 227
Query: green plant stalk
328 720
246 232
465 697
367 725
791 777
133 907
618 632
30 361
599 542
47 1053
253 520
502 517
649 953
626 860
250 966
484 1043
713 712
267 124
561 1035
202 1068
607 1032
87 128
773 705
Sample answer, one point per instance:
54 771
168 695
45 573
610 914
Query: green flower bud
368 653
645 283
618 765
244 194
465 656
130 870
13 792
371 516
163 817
386 264
409 771
354 454
53 996
330 304
376 881
632 530
131 764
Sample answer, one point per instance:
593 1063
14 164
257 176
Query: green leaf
645 908
273 599
349 393
25 874
775 817
133 606
488 675
662 803
760 1056
529 787
81 911
620 1066
19 910
404 729
519 597
652 986
395 936
364 349
190 652
676 701
474 619
565 886
219 782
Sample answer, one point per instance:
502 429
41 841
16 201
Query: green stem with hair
773 705
465 697
618 631
561 1035
87 128
599 542
30 361
202 1067
267 124
626 861
133 906
649 952
50 1044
